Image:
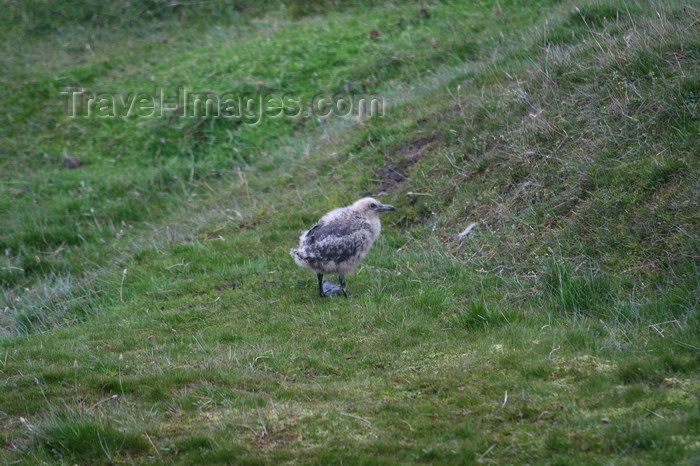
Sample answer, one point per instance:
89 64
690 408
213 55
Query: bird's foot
330 289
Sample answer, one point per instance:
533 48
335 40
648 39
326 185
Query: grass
151 312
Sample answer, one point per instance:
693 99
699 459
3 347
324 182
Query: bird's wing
337 241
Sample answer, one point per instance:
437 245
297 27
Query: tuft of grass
477 316
82 440
574 292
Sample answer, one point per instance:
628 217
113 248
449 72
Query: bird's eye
373 206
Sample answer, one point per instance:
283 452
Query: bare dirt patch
396 167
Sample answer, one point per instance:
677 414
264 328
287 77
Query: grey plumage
339 242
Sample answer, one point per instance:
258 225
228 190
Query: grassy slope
574 300
135 169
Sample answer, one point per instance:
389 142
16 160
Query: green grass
151 312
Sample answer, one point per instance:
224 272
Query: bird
339 241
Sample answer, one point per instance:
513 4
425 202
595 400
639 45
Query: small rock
605 420
71 162
331 289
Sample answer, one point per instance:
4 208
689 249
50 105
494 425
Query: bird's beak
385 207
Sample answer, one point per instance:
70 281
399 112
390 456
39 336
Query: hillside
150 309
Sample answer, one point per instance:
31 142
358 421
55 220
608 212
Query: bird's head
371 207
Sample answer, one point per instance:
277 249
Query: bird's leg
320 285
341 277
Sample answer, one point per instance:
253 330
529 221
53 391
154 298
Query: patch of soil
231 285
396 167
